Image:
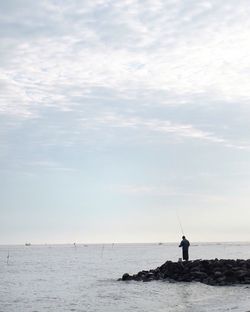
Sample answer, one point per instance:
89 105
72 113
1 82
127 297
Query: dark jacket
184 244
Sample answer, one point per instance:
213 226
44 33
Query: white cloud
173 191
13 99
68 49
144 190
105 87
49 165
188 131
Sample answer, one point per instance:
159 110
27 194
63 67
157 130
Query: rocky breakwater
211 272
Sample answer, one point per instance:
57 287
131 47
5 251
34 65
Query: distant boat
160 243
27 244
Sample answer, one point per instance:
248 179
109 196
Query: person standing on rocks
185 245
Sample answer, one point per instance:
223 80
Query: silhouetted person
185 245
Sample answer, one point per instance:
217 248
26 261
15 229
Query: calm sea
84 278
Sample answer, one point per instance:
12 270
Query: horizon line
121 243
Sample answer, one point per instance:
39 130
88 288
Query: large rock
212 272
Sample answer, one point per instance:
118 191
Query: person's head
183 237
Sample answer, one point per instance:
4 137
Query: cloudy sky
116 117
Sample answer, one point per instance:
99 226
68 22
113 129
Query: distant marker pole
8 257
102 250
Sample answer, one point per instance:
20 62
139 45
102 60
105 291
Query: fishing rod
179 219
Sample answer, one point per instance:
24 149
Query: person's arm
181 244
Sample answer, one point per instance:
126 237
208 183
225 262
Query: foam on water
69 278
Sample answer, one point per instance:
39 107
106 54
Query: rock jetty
211 272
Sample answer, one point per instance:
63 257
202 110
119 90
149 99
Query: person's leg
185 255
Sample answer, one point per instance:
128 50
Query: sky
123 121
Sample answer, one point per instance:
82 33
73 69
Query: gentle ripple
68 278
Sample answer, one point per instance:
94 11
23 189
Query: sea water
84 278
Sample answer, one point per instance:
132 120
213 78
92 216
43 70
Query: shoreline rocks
211 272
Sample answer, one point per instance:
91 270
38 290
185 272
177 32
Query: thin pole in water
102 250
8 257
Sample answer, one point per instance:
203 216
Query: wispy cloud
168 191
49 165
53 52
142 95
77 58
167 127
144 190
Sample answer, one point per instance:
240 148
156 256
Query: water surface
84 278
